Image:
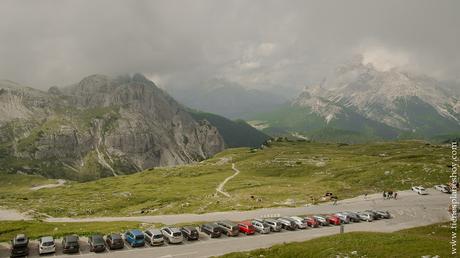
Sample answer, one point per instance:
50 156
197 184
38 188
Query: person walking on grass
335 200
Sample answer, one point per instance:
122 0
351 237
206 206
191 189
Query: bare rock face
99 127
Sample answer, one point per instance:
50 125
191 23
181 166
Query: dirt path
220 187
7 214
60 182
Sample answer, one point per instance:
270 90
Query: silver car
261 227
287 223
154 237
300 222
366 216
275 226
172 235
344 219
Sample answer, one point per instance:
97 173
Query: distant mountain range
105 126
358 102
227 99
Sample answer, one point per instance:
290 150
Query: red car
312 222
246 227
332 219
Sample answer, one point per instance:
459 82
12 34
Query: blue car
135 237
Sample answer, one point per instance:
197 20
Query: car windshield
176 234
157 236
72 239
116 237
48 243
252 228
98 240
140 237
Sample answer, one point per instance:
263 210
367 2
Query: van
211 229
229 228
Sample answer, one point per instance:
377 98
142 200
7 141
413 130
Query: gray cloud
255 43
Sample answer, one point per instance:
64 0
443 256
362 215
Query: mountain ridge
377 101
100 127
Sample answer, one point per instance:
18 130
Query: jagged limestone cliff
99 127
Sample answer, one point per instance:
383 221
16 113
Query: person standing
395 195
384 195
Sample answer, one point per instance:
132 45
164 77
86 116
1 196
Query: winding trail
220 187
60 182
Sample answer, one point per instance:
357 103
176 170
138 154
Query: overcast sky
254 43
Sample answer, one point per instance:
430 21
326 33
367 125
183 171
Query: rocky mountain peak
392 96
102 126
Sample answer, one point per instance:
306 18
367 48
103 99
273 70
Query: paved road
405 199
411 210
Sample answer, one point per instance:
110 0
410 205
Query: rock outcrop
99 127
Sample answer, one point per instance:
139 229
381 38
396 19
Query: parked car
322 220
300 222
20 246
287 223
246 227
275 226
70 244
114 241
261 226
382 214
312 222
229 228
212 229
344 219
190 233
96 243
172 235
333 220
366 216
374 214
154 237
46 245
443 189
135 238
353 216
420 190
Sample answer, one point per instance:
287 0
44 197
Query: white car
419 189
301 223
442 188
46 245
172 235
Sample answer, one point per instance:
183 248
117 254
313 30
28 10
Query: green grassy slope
288 119
283 174
416 242
35 229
